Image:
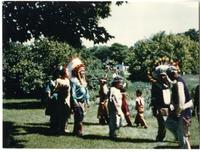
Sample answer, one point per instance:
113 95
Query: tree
119 52
27 68
193 34
176 47
65 21
101 52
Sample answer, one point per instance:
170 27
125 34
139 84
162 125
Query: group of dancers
67 93
113 106
170 100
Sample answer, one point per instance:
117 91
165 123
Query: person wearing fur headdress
196 103
79 93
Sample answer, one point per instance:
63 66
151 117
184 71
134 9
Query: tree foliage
101 52
27 67
193 34
119 53
177 47
65 21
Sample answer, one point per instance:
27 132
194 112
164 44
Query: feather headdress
77 69
160 67
74 64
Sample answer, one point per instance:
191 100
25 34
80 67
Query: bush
27 68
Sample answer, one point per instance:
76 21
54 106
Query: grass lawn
26 126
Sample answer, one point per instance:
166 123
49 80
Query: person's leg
78 119
137 122
186 136
161 128
142 120
172 125
128 120
62 117
183 134
180 133
112 126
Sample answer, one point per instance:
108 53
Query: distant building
121 67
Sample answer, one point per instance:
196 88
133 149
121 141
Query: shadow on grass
23 105
135 140
119 139
41 129
8 140
38 124
90 123
174 147
96 137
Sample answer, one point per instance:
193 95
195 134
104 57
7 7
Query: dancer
139 106
160 94
62 108
179 118
102 113
125 108
116 115
79 93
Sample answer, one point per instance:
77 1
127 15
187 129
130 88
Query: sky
138 20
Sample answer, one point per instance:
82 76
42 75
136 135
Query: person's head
172 73
79 70
63 71
138 93
117 82
102 81
55 72
163 79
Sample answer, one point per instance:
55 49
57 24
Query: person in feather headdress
79 93
160 94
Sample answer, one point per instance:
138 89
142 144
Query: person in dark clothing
51 98
62 108
179 118
160 101
196 102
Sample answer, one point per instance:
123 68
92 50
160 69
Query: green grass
26 126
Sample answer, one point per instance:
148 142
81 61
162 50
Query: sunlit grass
26 126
